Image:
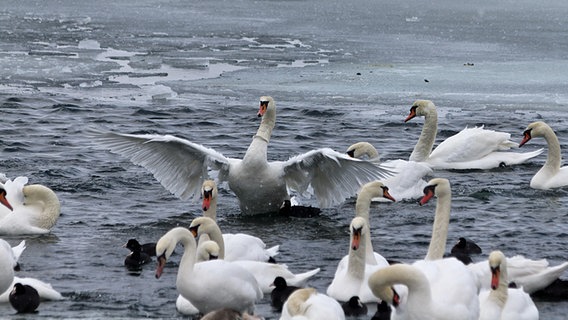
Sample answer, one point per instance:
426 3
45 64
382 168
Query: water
340 72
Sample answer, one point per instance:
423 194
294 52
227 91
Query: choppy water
340 72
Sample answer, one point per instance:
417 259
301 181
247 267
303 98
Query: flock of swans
223 276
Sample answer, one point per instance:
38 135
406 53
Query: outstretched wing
332 175
178 164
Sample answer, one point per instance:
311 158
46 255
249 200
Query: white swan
237 246
308 304
471 148
502 302
368 192
7 263
261 186
209 285
551 175
532 275
353 271
264 272
444 298
35 208
406 183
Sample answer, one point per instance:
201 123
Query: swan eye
429 189
264 103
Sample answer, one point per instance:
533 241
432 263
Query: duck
261 186
237 246
264 272
531 275
502 302
407 183
353 271
45 290
551 175
309 304
471 148
201 283
24 298
34 208
442 299
354 307
280 293
137 256
463 249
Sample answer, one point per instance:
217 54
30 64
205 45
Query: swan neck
363 205
437 246
501 294
47 203
214 233
266 125
553 159
212 211
188 258
356 263
425 143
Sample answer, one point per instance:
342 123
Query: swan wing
178 164
332 175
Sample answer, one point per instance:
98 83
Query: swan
532 275
368 192
502 302
471 148
264 272
308 304
238 246
353 271
208 285
260 186
444 298
35 208
551 175
7 264
406 183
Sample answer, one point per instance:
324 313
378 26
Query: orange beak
495 278
206 203
411 115
387 195
4 201
428 194
161 265
262 109
526 138
356 239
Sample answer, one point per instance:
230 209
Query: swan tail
541 280
273 251
17 250
300 279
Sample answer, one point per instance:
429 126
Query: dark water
340 72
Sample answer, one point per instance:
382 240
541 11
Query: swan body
264 272
471 148
237 246
406 183
353 271
502 302
308 304
7 263
438 295
551 175
35 208
260 186
208 285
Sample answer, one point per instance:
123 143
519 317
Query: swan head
208 250
266 104
383 290
358 228
165 247
535 129
361 149
208 193
438 187
203 225
497 261
420 108
3 199
375 189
